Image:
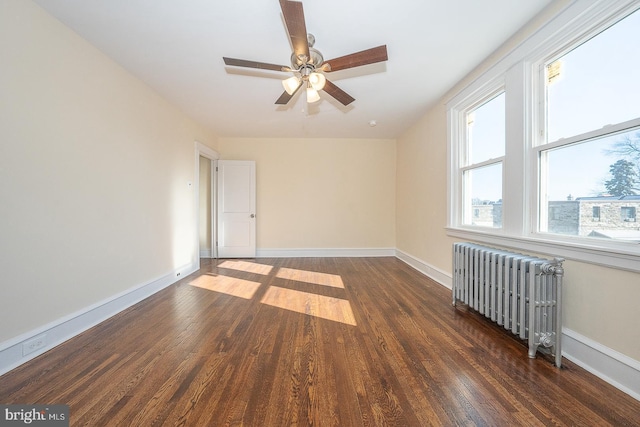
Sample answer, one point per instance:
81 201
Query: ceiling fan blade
343 97
253 64
294 18
285 97
369 56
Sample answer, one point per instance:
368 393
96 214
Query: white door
236 209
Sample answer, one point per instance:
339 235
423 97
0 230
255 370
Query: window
628 213
544 146
592 145
482 173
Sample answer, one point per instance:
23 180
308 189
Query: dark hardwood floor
233 346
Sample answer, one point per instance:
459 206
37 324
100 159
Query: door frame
202 150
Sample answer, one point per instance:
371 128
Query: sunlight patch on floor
336 309
227 285
324 279
249 267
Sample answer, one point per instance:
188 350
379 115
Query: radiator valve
546 339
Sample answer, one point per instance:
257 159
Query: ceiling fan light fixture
307 63
291 84
312 95
317 80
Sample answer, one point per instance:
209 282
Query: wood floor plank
368 342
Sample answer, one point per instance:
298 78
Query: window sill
625 256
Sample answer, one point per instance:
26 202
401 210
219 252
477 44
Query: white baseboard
325 252
205 253
61 330
613 367
442 277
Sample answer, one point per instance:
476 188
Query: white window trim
457 119
517 72
489 92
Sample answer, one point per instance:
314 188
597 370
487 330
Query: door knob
252 216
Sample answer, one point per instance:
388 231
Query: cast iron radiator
520 292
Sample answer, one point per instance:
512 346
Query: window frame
521 74
461 151
628 213
466 215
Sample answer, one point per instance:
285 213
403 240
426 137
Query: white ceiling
176 47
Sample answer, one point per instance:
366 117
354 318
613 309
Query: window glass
485 130
595 84
593 188
483 198
482 174
628 213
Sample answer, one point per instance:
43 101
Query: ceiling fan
307 63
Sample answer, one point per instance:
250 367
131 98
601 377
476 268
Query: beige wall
602 304
321 193
599 303
94 173
422 191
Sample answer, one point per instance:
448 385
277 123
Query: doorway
205 208
206 204
225 206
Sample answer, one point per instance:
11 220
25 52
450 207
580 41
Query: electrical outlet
34 344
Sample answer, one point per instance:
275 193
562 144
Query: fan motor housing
301 61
